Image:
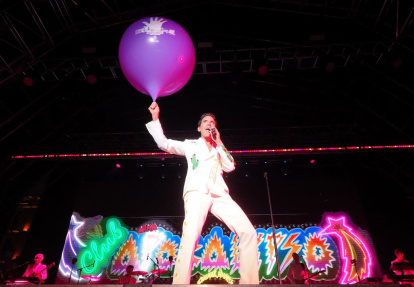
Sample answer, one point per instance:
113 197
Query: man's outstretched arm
155 129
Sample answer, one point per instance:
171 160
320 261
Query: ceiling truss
32 29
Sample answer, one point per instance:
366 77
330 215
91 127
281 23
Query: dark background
339 75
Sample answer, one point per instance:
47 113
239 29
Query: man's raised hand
154 110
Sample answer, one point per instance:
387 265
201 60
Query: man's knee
248 232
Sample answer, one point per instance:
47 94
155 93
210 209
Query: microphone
170 258
147 256
30 262
74 260
157 260
93 265
213 133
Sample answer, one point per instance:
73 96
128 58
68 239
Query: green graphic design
227 153
194 160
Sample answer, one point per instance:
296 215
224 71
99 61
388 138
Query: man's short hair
397 251
206 115
130 266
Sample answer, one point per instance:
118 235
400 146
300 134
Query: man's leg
228 211
196 207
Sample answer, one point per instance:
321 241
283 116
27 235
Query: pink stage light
262 71
28 81
92 79
262 151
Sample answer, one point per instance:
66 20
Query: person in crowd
296 271
128 278
36 269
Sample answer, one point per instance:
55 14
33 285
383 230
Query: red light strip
268 151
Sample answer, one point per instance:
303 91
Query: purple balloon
156 56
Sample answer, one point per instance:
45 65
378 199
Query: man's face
129 270
400 256
38 258
207 123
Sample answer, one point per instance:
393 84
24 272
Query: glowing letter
98 251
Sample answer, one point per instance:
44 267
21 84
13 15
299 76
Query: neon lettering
98 251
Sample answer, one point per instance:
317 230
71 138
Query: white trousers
197 205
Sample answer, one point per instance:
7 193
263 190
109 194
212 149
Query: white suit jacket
204 167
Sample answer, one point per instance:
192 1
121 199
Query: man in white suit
204 191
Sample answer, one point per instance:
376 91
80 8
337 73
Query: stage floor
218 285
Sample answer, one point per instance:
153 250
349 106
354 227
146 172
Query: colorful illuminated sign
327 249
